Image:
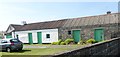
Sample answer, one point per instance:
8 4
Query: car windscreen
14 40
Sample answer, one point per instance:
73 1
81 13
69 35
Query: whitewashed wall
23 35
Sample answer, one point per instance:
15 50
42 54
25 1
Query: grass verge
42 51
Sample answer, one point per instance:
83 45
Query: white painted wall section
23 35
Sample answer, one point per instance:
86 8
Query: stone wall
87 32
109 48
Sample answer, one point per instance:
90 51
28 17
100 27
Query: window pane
47 35
3 41
69 32
14 41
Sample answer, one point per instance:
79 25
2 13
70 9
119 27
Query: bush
90 41
54 43
81 42
62 43
59 41
67 41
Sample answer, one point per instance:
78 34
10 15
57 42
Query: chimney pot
109 12
24 22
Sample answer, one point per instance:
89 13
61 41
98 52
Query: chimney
24 22
108 12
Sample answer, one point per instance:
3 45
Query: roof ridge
16 24
47 21
93 16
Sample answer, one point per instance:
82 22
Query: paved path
34 47
48 46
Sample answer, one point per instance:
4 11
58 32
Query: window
47 35
14 41
69 32
4 41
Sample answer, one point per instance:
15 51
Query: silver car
10 44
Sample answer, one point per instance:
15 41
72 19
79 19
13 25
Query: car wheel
8 49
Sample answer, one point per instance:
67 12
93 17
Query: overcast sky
16 11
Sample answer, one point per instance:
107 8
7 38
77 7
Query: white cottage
42 32
99 27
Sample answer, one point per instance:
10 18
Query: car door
1 46
16 42
4 44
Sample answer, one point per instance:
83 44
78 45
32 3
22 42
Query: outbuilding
99 27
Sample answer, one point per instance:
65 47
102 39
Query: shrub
54 43
67 41
59 41
90 41
62 43
81 42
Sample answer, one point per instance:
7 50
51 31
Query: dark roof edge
37 29
94 15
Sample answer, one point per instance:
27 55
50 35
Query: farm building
99 27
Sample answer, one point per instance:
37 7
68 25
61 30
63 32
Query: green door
76 35
39 36
30 38
99 34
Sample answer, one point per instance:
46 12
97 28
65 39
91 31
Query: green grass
44 51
